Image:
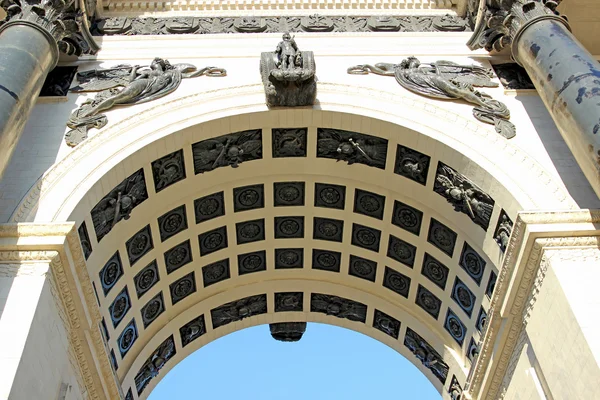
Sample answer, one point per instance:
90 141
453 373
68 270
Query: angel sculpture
448 81
351 147
227 150
126 85
464 195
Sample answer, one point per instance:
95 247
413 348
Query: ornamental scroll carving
448 81
288 75
126 85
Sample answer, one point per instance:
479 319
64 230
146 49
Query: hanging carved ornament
288 75
287 331
448 81
126 85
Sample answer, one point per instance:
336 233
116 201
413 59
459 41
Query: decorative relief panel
503 230
289 142
113 360
425 353
192 330
472 350
463 296
129 395
168 170
119 307
455 327
104 330
277 24
119 203
481 320
464 195
396 282
455 390
182 288
428 302
252 262
288 194
250 231
489 290
386 324
84 239
111 273
209 207
213 240
370 204
435 271
215 272
472 263
248 197
238 310
362 268
178 256
411 164
289 301
326 260
338 307
289 227
407 217
139 245
401 251
227 150
365 237
441 237
154 364
146 278
289 258
330 196
351 147
172 222
153 309
127 338
328 229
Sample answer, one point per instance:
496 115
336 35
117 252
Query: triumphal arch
425 172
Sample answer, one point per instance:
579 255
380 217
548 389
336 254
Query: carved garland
31 200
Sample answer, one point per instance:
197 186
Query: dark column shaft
567 78
27 54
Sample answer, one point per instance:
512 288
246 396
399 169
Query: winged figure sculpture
126 85
448 81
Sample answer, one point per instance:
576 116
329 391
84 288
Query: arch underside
193 213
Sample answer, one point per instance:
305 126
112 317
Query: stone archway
435 259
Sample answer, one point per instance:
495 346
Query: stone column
31 37
565 75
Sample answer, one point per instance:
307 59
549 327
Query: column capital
64 22
499 23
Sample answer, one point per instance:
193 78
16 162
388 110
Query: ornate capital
63 21
498 23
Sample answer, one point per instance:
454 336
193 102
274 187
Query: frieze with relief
227 150
351 147
125 84
277 24
154 364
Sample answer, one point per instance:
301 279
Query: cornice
509 306
81 315
263 7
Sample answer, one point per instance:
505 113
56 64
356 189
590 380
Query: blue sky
329 363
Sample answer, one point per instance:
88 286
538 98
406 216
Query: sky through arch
329 363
